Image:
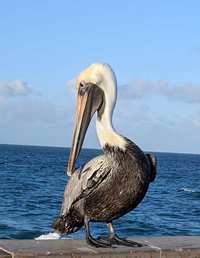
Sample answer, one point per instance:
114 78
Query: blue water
32 181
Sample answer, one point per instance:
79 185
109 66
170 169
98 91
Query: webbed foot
97 243
115 240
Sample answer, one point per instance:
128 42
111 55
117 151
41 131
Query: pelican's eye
83 87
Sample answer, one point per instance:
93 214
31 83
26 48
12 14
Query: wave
49 236
189 190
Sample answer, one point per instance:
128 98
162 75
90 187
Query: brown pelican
112 184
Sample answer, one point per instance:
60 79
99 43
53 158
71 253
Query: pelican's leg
114 239
89 239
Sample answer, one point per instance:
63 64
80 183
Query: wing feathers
82 183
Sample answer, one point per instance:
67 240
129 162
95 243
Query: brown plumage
107 187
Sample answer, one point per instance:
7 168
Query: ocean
32 181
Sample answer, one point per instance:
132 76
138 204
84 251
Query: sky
153 47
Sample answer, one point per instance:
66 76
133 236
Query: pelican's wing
93 173
83 181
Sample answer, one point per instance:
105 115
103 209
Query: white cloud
188 92
15 88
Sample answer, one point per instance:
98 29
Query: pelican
111 184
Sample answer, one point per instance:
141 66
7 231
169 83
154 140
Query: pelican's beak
87 104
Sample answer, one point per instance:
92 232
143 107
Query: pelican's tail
68 224
153 164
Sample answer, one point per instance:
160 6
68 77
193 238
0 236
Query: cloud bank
188 92
30 118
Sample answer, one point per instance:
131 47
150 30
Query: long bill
82 120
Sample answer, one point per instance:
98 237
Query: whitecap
185 189
51 235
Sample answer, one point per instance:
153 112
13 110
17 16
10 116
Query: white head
97 91
102 76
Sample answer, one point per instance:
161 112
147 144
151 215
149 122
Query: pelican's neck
108 136
106 133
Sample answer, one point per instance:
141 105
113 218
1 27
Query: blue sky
153 46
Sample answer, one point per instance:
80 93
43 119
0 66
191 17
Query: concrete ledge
4 254
156 247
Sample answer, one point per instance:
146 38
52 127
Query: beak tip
69 169
69 173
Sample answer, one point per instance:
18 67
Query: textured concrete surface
4 254
156 247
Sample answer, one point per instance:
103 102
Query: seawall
155 247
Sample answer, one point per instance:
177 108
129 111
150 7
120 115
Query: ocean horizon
93 148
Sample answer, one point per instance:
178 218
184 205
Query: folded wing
83 181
